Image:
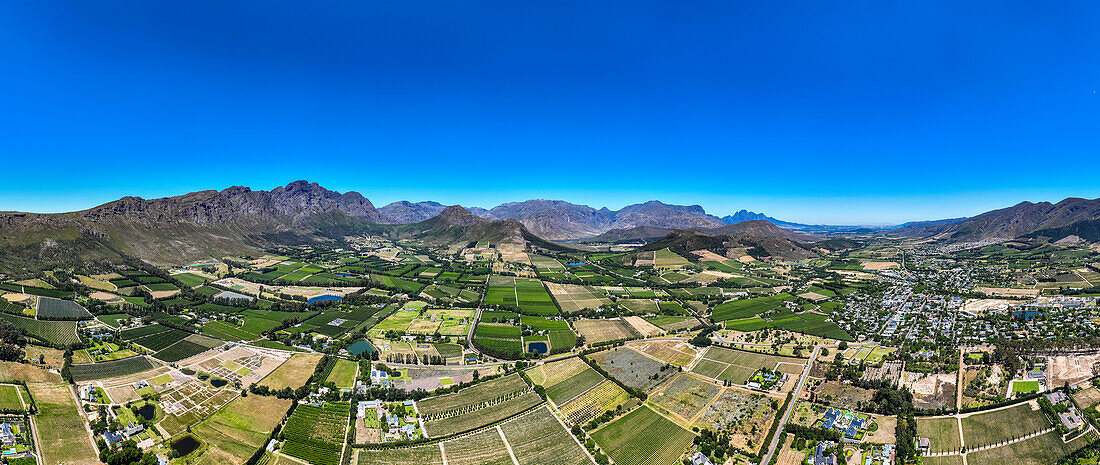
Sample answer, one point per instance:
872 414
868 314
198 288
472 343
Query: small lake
218 382
324 298
361 347
148 411
537 347
188 371
185 445
203 376
575 264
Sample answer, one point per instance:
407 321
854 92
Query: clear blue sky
836 112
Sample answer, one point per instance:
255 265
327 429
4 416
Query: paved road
790 408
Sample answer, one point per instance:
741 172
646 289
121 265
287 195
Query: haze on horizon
820 113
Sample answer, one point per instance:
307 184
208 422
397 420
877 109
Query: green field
190 279
942 433
1000 425
643 437
1025 386
343 374
745 308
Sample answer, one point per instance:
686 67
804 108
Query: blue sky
833 112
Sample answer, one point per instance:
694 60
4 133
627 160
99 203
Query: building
1071 420
7 436
820 457
132 430
923 445
700 459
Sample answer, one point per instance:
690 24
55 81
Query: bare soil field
596 331
293 373
14 371
981 306
1009 292
931 392
677 353
842 395
1074 369
645 328
573 297
879 266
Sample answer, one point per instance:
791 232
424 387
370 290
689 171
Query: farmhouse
848 423
823 454
7 437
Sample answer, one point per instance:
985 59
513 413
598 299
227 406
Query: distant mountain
560 220
635 234
1056 221
197 225
405 212
555 219
456 225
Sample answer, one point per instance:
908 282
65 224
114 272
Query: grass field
11 398
999 425
343 374
236 431
62 433
942 433
643 437
1025 386
293 373
745 308
1040 450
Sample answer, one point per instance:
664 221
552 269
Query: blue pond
361 347
575 264
537 347
324 298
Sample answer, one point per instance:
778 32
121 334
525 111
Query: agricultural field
942 433
236 431
470 420
191 345
111 369
748 416
417 455
573 298
745 308
472 396
668 258
673 324
527 296
632 368
59 333
343 373
685 396
61 430
1040 450
485 447
991 427
737 366
678 353
595 331
605 396
316 434
537 438
293 373
51 308
643 437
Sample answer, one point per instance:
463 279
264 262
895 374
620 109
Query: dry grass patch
14 371
293 373
241 427
62 432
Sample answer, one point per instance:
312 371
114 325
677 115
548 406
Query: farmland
57 309
343 373
632 368
316 434
643 437
60 333
293 373
605 396
111 369
596 331
527 296
999 425
737 366
61 431
738 309
942 433
685 396
236 431
537 438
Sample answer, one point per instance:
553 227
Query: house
1071 420
367 404
7 437
830 419
379 378
700 459
132 430
923 445
112 438
1057 397
820 457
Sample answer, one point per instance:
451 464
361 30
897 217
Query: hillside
405 212
684 242
1023 219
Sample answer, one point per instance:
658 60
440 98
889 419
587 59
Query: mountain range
210 223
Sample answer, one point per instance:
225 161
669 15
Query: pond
324 298
537 347
185 445
361 347
218 382
575 263
148 411
203 376
188 371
